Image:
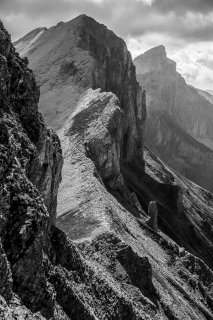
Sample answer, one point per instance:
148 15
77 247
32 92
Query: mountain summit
179 118
75 63
154 59
71 57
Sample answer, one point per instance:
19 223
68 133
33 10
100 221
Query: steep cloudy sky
185 27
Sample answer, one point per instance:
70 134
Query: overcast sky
185 27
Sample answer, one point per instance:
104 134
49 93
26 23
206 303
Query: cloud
195 63
191 20
183 6
37 13
142 23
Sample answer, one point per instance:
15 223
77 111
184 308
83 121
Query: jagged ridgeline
123 264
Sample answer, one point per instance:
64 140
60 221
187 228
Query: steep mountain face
179 149
42 274
42 159
178 118
167 90
72 57
142 234
101 60
206 94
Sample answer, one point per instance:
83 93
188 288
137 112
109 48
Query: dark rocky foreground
131 259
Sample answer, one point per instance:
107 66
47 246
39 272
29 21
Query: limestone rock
153 214
100 60
42 273
31 162
138 269
179 118
178 149
117 268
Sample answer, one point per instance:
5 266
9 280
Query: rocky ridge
94 51
43 275
179 117
119 267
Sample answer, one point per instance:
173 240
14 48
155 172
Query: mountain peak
74 48
82 16
84 19
154 59
79 19
158 50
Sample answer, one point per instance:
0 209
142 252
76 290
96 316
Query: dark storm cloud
132 18
191 29
181 25
21 16
37 8
182 6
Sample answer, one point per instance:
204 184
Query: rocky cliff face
42 274
176 113
101 60
131 259
80 54
178 149
158 75
37 149
207 95
167 90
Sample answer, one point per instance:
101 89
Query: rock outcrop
118 268
152 222
179 119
